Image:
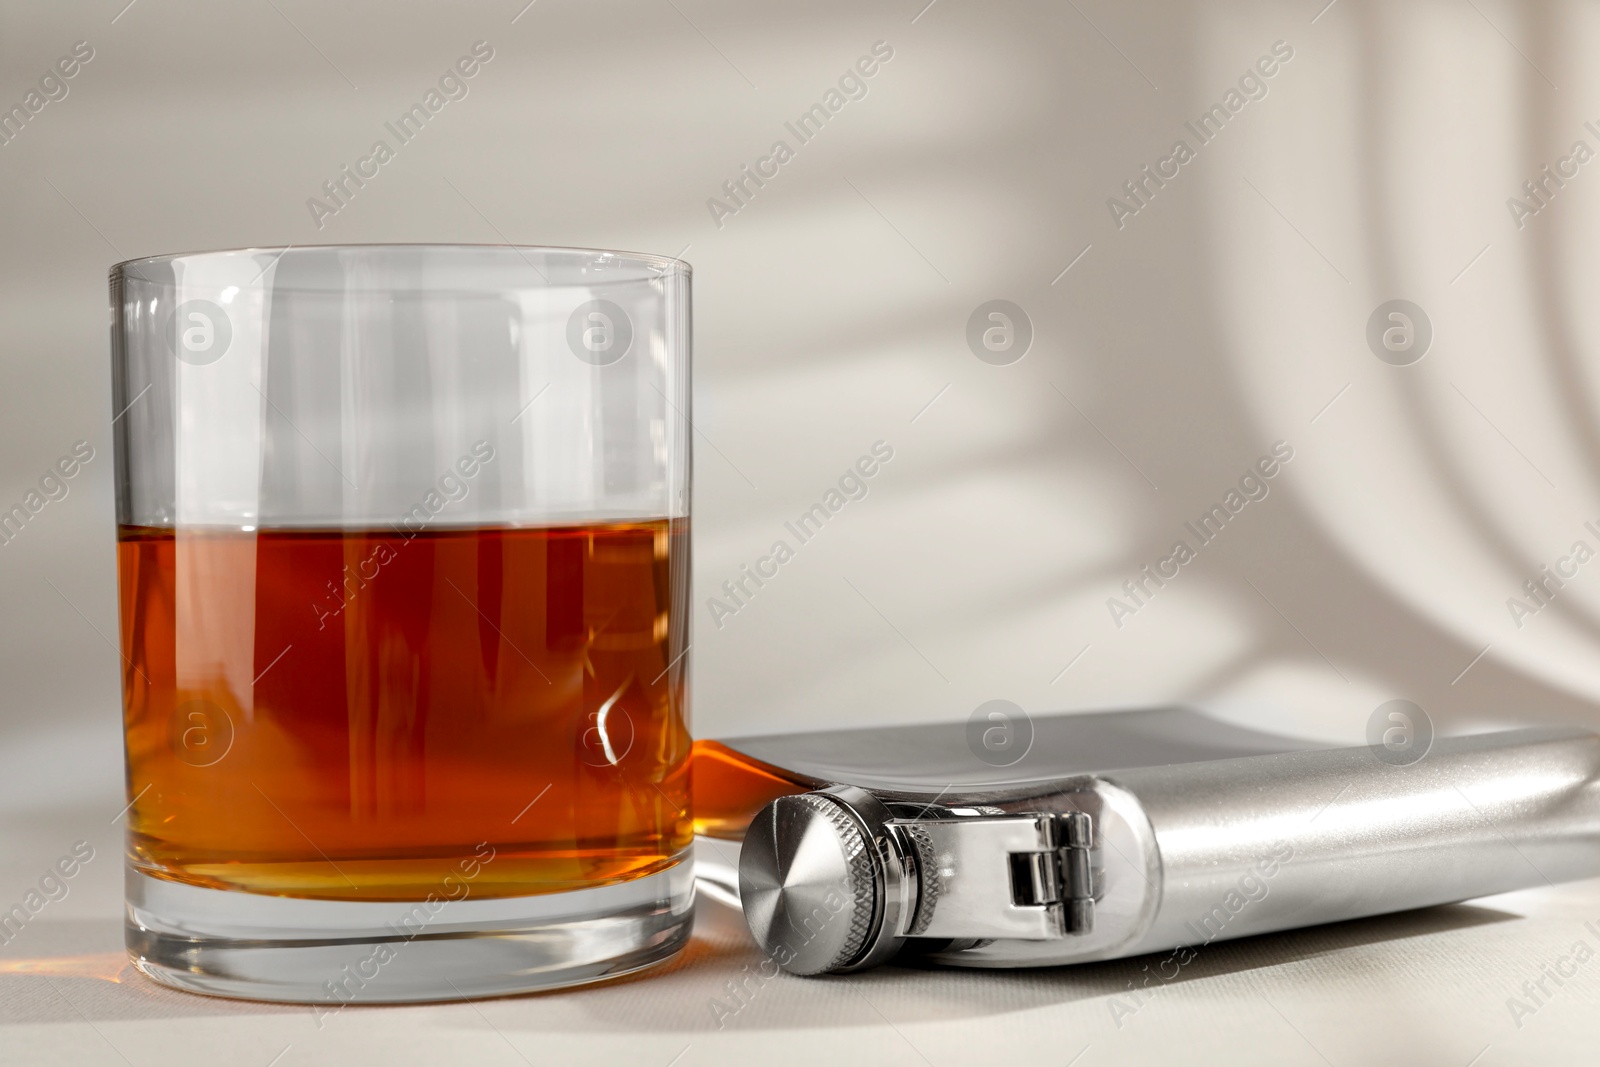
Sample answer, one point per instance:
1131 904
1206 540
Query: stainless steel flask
1126 833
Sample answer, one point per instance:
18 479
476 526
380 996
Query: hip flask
1124 833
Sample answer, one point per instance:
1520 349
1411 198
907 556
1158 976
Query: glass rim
660 265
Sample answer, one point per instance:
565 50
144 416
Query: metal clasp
1026 876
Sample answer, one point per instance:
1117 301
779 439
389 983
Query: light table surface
1421 988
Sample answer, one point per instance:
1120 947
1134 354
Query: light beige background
1228 314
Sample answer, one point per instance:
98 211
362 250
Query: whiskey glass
403 567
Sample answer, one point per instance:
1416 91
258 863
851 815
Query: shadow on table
79 972
698 993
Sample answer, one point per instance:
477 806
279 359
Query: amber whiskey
730 788
349 714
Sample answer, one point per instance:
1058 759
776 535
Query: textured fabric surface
1430 987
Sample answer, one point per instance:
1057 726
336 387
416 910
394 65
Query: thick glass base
332 953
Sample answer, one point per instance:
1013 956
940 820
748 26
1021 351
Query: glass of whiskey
403 563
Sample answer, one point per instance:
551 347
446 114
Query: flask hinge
1029 876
